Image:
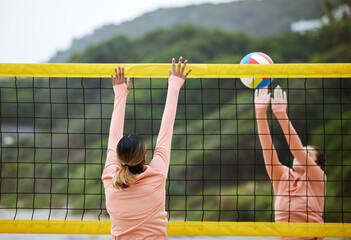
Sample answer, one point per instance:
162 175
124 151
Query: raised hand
119 78
279 102
262 98
179 71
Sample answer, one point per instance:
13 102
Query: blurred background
62 31
299 31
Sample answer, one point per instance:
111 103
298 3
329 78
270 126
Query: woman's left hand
279 102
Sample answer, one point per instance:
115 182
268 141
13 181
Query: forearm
291 136
164 139
263 130
269 152
117 119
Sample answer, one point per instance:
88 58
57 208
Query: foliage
227 172
255 18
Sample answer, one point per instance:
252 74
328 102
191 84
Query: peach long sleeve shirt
298 197
138 212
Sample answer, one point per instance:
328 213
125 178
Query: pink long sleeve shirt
138 212
297 197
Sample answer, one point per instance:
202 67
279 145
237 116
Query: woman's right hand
262 99
178 72
279 102
118 79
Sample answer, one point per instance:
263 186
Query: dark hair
320 158
131 151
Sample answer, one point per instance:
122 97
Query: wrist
281 115
120 89
262 113
175 82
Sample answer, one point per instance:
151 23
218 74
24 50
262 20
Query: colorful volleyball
256 58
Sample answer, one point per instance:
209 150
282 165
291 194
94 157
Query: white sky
31 31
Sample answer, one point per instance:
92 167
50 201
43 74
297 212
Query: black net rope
54 135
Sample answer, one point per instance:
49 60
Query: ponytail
123 178
131 152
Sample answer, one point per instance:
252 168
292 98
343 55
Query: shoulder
318 183
151 172
109 171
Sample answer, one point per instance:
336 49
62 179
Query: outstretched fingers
179 64
280 93
116 72
178 70
262 95
262 92
173 66
118 78
128 84
187 73
262 99
183 68
113 79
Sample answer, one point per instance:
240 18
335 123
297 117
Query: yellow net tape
199 71
184 228
337 70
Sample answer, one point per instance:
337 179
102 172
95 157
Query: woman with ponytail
135 192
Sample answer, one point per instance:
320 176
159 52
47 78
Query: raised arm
162 153
273 166
117 121
279 105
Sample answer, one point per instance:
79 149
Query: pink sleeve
281 183
162 153
117 123
273 166
313 171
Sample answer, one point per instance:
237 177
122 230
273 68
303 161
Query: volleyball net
54 129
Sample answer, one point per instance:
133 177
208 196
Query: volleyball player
300 191
135 192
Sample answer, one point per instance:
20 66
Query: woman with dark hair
300 191
135 192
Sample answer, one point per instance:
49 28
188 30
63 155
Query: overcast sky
32 31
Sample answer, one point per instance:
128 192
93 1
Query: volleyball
256 58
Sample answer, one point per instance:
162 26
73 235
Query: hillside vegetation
255 18
223 172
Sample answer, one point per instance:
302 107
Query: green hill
255 18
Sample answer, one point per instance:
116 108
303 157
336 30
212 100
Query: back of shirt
137 212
